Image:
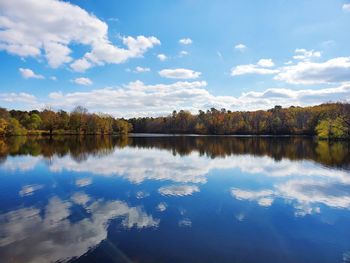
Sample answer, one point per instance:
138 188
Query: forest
49 122
327 121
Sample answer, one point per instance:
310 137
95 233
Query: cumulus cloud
140 99
261 68
178 190
240 47
47 28
29 74
266 63
346 7
303 54
305 72
83 81
179 73
185 41
20 98
139 69
183 53
162 57
332 71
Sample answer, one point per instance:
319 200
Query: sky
147 58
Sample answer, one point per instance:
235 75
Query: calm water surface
174 199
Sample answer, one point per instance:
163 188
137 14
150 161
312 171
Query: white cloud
262 67
336 70
240 47
162 57
139 69
266 63
80 65
83 81
332 71
183 53
346 7
54 78
140 99
29 74
22 97
252 69
179 73
178 190
185 41
306 55
48 28
136 97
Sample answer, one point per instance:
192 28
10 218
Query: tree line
328 121
47 121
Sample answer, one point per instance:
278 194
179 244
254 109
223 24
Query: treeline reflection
334 154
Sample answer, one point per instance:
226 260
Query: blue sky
136 58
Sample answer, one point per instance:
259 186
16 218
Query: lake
174 199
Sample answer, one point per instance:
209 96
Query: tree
3 126
14 128
332 129
323 129
121 127
78 119
49 120
34 122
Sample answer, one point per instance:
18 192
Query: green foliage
332 129
15 128
34 122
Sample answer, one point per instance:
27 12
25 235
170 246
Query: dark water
174 199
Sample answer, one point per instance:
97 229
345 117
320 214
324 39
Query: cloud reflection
30 189
29 233
178 190
306 183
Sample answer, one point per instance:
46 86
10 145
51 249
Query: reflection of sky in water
59 208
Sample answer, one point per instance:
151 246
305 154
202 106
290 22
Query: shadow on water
332 154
